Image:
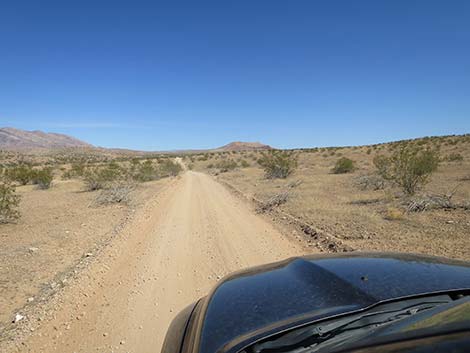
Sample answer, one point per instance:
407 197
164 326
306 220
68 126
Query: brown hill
244 146
16 139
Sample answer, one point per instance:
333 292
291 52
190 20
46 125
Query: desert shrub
9 203
116 192
274 201
93 180
21 174
42 178
454 157
343 165
382 164
244 163
226 165
409 167
278 164
370 182
210 165
169 168
99 177
76 170
145 171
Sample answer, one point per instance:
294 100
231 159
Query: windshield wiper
314 337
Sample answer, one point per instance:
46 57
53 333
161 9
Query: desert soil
174 248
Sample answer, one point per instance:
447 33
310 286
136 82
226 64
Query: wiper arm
314 336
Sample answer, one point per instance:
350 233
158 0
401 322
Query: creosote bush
410 167
169 168
278 164
244 163
144 171
99 177
343 165
76 170
42 178
21 174
9 203
454 157
226 165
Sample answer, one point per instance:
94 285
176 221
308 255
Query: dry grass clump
393 214
9 203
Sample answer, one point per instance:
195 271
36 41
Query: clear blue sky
167 75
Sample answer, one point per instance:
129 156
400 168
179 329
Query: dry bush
278 164
370 182
428 202
343 165
432 202
117 192
410 167
274 201
9 203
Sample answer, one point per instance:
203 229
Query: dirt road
175 249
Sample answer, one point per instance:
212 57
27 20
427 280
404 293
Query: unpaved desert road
174 250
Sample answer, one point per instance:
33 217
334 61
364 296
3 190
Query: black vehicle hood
249 304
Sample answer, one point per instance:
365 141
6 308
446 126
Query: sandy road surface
173 252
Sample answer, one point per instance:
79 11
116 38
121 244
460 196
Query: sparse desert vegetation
49 218
59 208
278 164
410 196
9 202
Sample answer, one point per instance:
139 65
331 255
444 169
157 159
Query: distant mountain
244 146
16 139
